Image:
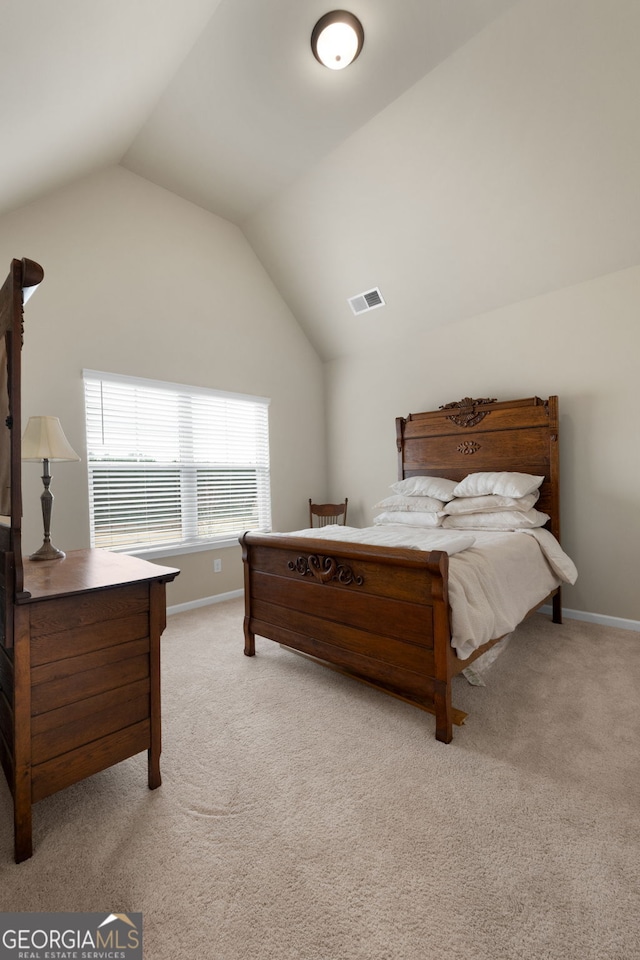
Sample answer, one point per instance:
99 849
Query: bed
381 612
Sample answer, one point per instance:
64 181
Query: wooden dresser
79 636
81 686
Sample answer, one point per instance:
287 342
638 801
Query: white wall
140 282
496 204
508 171
581 343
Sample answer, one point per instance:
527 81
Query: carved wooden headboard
470 436
23 277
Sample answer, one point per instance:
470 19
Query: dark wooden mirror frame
23 277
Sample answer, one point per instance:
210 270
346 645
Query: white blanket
393 535
497 581
494 578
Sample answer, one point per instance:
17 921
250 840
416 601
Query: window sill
153 553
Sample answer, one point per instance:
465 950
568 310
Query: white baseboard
600 618
204 601
603 620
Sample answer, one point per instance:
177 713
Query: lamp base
48 552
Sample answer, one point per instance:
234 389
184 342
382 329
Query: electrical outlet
217 565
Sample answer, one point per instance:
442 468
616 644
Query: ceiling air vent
366 301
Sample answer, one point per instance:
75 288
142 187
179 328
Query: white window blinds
172 466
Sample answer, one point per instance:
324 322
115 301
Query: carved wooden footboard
380 614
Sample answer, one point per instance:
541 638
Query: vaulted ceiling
478 153
219 101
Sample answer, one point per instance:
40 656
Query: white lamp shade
44 439
337 39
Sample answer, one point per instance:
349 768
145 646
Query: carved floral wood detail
468 447
466 414
324 569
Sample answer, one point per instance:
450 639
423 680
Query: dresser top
83 570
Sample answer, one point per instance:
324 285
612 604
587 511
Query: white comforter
494 578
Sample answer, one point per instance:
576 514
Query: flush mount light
337 39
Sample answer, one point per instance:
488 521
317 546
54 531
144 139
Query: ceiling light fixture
337 39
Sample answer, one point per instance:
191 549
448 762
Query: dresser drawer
80 610
55 646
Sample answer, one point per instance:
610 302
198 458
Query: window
171 467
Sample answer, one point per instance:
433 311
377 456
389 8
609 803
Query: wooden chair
321 514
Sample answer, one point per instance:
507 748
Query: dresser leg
157 621
155 779
22 821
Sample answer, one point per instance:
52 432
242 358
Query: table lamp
44 440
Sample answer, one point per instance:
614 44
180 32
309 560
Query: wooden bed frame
379 614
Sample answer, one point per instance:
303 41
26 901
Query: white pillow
502 484
491 503
508 520
437 487
412 519
420 504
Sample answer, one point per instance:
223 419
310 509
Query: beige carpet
304 816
